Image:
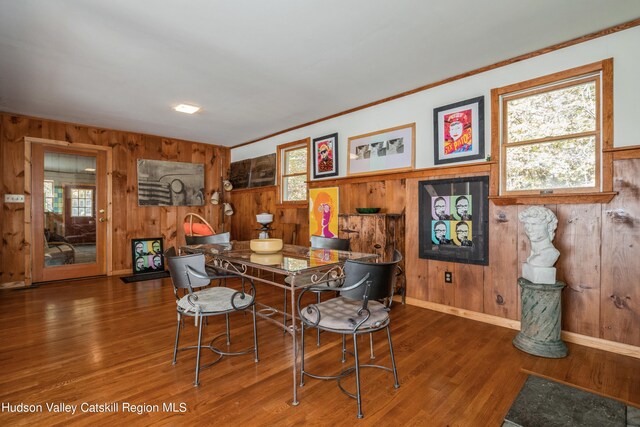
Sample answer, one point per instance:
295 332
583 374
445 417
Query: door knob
102 219
101 211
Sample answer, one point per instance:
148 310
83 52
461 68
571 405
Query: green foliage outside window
294 177
551 139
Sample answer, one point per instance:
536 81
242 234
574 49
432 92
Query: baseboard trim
572 337
120 272
599 343
13 285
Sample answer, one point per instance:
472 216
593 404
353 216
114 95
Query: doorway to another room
69 212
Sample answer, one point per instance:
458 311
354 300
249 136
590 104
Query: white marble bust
540 224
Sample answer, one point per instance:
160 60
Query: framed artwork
162 183
387 150
256 172
325 156
147 255
323 212
459 131
454 220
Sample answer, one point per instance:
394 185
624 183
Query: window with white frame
49 195
81 202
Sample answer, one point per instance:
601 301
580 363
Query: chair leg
284 315
393 359
373 356
318 330
228 329
175 346
355 355
344 348
301 354
255 333
197 382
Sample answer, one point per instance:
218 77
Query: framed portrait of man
325 156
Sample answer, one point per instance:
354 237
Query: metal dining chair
212 239
320 242
362 307
199 301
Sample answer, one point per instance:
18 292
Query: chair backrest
178 269
321 242
214 238
169 252
381 274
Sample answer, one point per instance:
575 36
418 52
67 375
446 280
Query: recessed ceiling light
89 169
186 108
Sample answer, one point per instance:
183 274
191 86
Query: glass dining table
302 266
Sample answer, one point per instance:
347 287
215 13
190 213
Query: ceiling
257 67
69 163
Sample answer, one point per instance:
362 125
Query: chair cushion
342 314
214 300
198 229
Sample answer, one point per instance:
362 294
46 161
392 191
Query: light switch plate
14 198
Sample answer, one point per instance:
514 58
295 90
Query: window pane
568 163
559 112
48 188
295 188
295 161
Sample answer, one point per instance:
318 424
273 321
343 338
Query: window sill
554 199
293 205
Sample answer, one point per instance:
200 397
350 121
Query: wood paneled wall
128 219
289 223
599 245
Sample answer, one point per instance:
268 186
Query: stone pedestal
541 314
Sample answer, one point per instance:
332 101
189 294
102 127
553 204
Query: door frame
28 232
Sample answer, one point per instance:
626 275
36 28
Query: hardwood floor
100 341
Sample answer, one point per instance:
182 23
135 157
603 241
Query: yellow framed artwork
323 212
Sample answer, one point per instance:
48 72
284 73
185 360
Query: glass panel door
69 217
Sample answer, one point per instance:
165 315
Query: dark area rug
143 277
542 402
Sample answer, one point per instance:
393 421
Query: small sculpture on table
540 292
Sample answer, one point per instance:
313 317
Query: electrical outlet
14 198
448 277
